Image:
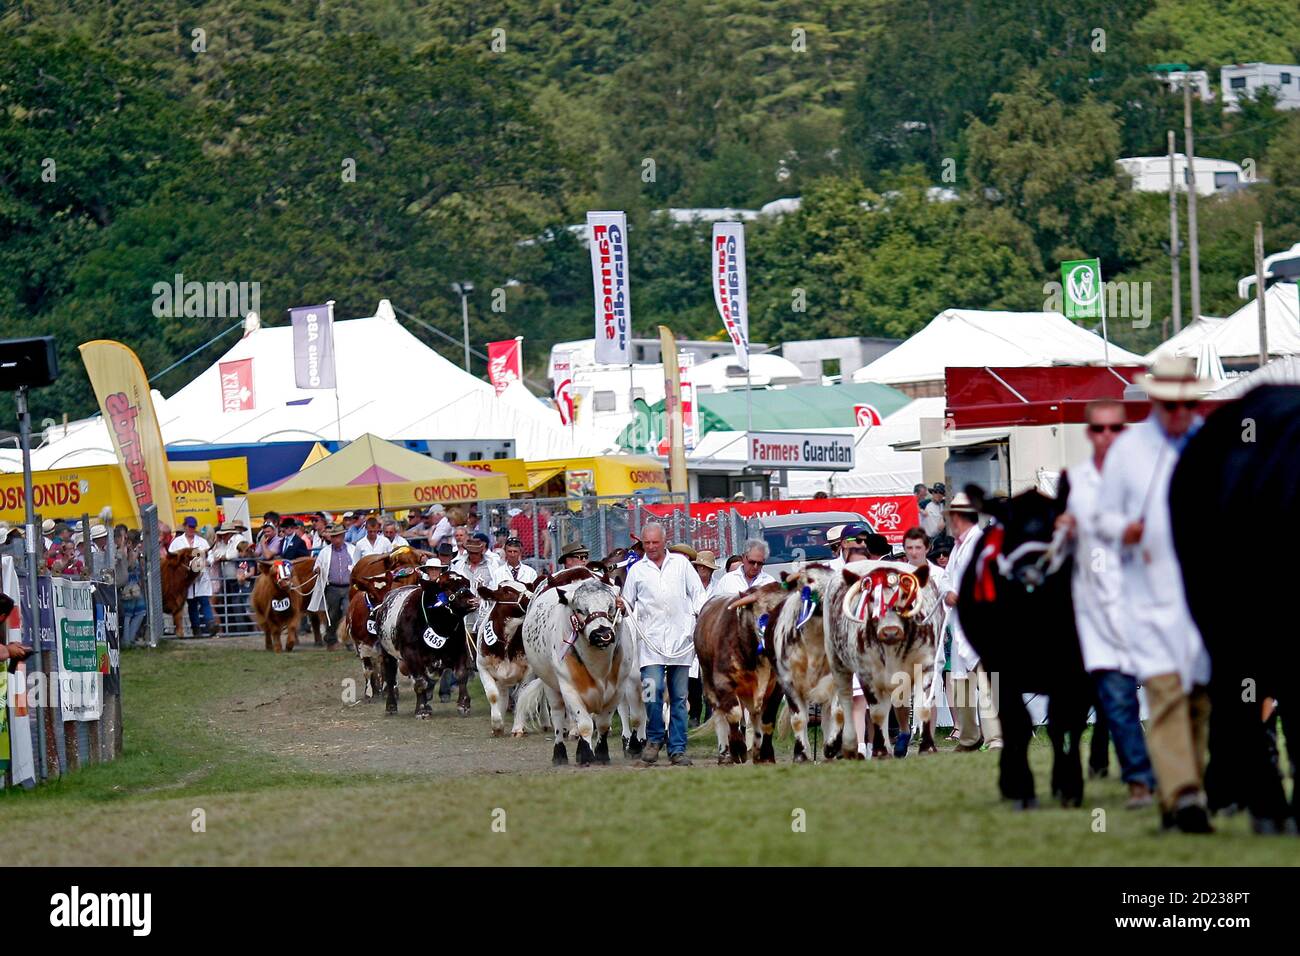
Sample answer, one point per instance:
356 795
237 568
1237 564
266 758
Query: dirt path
305 720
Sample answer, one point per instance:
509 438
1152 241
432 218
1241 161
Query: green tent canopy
779 409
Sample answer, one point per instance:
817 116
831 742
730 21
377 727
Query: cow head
804 591
510 603
614 566
593 613
885 593
281 572
757 607
444 589
1024 544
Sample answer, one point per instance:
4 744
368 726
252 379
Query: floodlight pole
31 620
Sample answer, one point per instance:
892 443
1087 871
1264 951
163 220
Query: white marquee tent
1236 338
389 384
962 338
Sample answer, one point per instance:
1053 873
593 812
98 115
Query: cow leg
390 684
848 734
631 716
878 711
1099 751
494 695
267 631
1065 727
602 739
423 689
559 756
583 725
799 724
721 726
462 695
767 724
314 619
291 638
1015 779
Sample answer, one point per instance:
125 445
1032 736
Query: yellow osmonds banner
123 393
68 493
515 470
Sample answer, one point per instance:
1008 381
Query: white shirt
202 585
364 547
966 550
484 574
1160 631
441 530
665 601
932 519
522 573
1095 585
734 582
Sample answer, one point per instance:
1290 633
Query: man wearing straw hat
1168 654
333 581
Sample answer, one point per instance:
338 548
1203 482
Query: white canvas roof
964 338
390 384
1236 338
1189 339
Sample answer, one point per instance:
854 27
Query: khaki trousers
972 696
1177 736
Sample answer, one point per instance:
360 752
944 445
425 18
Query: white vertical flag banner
609 273
729 288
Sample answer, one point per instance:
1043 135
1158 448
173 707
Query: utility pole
463 289
1176 281
1259 294
1193 247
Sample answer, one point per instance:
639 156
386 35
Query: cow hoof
881 754
423 715
498 731
725 759
851 755
463 710
928 749
1072 802
1095 772
559 756
634 747
800 757
1026 803
519 733
585 756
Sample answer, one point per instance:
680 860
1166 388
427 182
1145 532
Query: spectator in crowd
164 539
357 530
1169 656
334 571
685 550
530 529
932 518
665 594
64 560
733 562
225 574
706 565
513 568
420 530
443 526
373 542
133 606
877 545
969 696
1096 588
394 535
198 597
268 543
739 497
12 539
101 565
574 555
922 495
292 545
47 532
499 536
315 538
750 574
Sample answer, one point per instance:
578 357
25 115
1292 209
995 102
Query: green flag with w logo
1081 285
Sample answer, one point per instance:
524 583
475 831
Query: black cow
422 629
1020 620
1240 465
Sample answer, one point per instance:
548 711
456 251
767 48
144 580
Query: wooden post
1259 294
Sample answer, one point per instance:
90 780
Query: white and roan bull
881 628
798 635
587 660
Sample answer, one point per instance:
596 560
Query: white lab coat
964 657
323 558
1162 636
202 585
524 574
485 575
1095 585
665 601
733 583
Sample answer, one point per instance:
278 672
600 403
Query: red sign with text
505 362
237 385
890 515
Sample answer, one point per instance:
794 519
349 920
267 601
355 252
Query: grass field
284 772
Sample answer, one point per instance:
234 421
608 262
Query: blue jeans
131 626
200 607
677 678
1117 697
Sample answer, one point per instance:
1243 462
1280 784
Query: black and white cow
422 632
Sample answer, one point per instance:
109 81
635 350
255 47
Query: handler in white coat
1168 653
664 592
1096 589
748 574
968 696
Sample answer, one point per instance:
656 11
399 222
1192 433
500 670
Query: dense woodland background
226 164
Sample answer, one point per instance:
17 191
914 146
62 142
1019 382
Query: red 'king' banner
505 362
890 515
237 386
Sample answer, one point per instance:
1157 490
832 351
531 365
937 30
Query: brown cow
499 643
177 576
372 577
280 596
738 671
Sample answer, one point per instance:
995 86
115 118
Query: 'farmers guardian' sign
796 450
1081 285
609 278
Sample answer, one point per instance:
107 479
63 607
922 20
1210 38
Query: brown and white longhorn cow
738 671
798 634
499 643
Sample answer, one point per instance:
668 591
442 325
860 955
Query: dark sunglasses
1174 406
514 543
1116 427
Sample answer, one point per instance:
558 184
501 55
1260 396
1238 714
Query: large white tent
962 338
390 384
1236 338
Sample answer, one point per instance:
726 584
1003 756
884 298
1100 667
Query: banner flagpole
338 414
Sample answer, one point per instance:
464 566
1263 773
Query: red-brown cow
279 598
177 576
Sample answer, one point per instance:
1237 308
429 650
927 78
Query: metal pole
1193 247
464 317
1259 290
1176 280
31 620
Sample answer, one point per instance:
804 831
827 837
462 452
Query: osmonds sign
800 450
